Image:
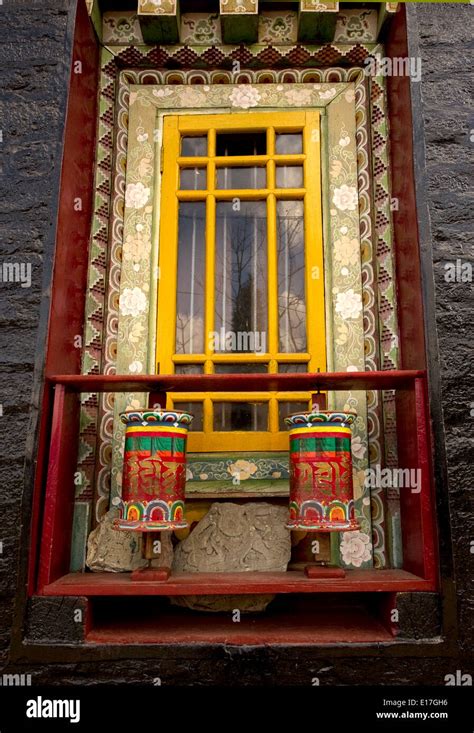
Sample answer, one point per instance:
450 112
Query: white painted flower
193 97
189 474
161 93
136 195
244 96
343 230
344 141
356 548
349 95
348 304
352 368
298 96
132 302
143 137
242 469
329 94
346 250
358 448
345 198
135 367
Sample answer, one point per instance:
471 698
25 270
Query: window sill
293 581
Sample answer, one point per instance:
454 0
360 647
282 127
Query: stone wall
34 73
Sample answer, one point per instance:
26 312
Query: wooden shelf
182 584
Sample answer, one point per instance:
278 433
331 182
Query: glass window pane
189 369
190 286
241 178
291 276
295 367
289 176
193 179
241 278
289 143
289 408
193 146
251 416
241 368
238 143
196 410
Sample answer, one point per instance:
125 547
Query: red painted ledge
182 584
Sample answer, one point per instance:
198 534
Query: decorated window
240 271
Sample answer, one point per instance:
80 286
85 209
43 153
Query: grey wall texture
34 72
35 40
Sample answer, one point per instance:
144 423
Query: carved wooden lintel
239 21
317 21
159 20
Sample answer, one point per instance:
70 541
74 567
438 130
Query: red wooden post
59 497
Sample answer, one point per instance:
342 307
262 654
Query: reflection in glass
291 274
192 179
190 288
241 368
194 146
241 178
241 277
296 367
195 408
241 143
241 416
289 143
289 176
290 408
189 369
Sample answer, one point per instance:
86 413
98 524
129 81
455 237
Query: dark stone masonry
35 49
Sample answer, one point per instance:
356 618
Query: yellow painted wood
310 194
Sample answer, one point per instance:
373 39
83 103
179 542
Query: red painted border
66 318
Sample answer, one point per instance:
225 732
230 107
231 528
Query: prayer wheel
321 489
154 471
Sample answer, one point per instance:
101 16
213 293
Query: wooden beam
299 382
317 21
159 20
239 21
386 13
95 16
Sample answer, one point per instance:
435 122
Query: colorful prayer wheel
154 471
321 490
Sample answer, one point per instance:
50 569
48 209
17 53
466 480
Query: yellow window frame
174 127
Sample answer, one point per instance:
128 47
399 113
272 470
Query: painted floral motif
277 27
358 448
346 250
133 301
243 469
345 198
349 304
200 28
355 548
356 25
328 94
121 28
136 248
244 96
136 195
299 96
